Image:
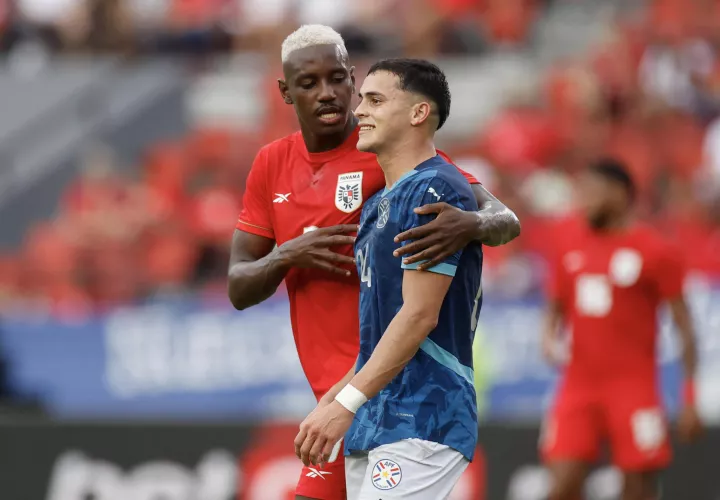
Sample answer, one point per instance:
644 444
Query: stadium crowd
200 26
649 94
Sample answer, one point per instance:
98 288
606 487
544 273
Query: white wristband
351 398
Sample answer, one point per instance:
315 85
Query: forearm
689 348
334 390
497 224
250 283
553 321
396 348
686 333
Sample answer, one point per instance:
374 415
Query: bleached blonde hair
310 35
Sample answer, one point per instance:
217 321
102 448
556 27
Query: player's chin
366 145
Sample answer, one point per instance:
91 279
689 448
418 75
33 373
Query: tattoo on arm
500 224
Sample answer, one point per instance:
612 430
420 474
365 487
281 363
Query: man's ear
420 113
284 91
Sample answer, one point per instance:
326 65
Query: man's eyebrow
371 93
303 74
311 73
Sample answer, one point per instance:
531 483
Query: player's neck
322 143
616 224
404 158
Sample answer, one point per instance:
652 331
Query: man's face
384 112
596 197
320 83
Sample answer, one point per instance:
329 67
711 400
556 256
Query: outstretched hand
448 233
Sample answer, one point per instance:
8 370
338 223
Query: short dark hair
617 172
421 77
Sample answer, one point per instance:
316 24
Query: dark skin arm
453 229
689 423
257 268
552 332
254 274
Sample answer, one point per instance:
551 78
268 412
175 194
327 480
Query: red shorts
629 417
327 483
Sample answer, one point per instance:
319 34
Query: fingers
432 255
339 229
432 208
326 266
427 255
306 445
416 232
336 241
316 456
300 439
417 251
337 258
328 452
411 248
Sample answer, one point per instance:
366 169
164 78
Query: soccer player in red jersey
607 288
304 193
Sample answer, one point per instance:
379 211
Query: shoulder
274 151
445 176
654 244
649 237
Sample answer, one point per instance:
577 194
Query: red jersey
610 287
290 191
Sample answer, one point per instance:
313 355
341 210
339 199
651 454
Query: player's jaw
366 137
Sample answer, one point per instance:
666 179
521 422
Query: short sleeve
255 216
469 177
670 272
435 190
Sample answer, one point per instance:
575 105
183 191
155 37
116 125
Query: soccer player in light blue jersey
408 408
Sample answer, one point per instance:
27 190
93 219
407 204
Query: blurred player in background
607 288
416 424
304 193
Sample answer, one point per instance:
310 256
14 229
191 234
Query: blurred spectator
711 151
647 94
673 68
58 23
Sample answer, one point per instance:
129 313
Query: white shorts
411 469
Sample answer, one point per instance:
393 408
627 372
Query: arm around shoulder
496 223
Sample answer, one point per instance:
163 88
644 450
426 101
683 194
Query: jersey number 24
363 255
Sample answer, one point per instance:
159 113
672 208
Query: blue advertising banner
172 359
186 360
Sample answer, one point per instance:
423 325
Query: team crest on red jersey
348 194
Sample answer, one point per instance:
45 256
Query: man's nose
360 110
327 92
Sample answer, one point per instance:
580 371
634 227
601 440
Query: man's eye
339 78
307 85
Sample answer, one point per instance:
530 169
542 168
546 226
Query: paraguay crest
348 194
386 474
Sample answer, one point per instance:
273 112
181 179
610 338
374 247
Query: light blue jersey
433 397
